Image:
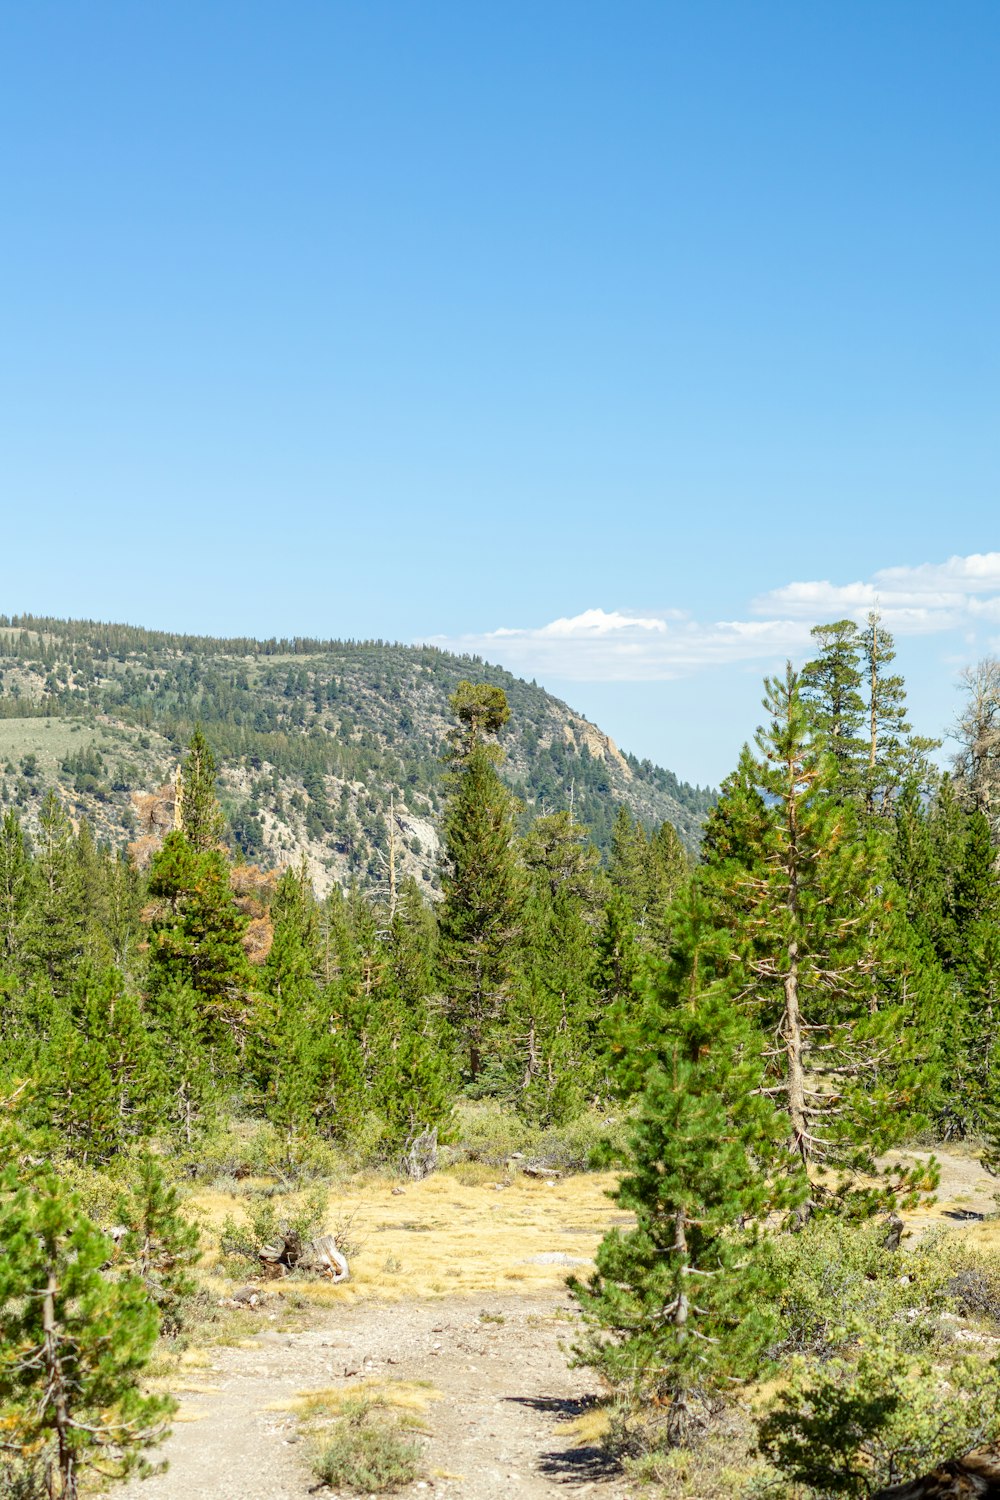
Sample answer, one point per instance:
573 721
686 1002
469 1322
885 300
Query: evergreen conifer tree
807 904
550 1042
185 1068
55 926
73 1345
974 1087
202 820
291 1044
196 939
96 1068
679 1307
160 1245
895 754
481 913
15 893
831 685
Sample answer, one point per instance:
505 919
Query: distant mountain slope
320 742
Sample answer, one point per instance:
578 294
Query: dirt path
505 1392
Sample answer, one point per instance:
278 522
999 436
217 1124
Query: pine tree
185 1071
389 1069
291 1045
615 980
417 1085
482 711
808 906
916 866
550 1042
678 1307
481 913
647 873
196 939
202 821
73 1345
977 763
160 1245
669 867
96 1068
974 1092
830 685
895 754
15 893
55 925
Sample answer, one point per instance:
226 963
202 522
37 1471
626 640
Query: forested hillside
321 744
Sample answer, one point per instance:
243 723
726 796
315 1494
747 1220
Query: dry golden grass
587 1430
411 1396
445 1236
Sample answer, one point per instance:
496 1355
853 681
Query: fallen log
974 1477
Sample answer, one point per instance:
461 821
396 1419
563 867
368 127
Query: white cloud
600 646
615 645
912 600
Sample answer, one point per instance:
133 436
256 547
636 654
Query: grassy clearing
447 1236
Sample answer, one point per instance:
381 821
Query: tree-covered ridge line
317 742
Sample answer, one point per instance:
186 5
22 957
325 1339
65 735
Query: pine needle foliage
73 1344
681 1305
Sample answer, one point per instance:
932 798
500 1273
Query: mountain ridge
321 743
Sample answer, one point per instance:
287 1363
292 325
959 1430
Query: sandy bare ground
505 1393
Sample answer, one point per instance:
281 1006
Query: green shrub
973 1277
97 1188
839 1281
852 1427
492 1133
234 1149
366 1452
587 1144
722 1465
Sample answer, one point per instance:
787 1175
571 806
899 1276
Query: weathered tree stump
288 1253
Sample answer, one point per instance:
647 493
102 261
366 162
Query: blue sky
435 321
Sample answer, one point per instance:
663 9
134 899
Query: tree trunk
57 1393
792 1028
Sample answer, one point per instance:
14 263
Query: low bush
839 1282
489 1133
234 1149
23 1480
973 1284
851 1427
590 1143
368 1451
492 1133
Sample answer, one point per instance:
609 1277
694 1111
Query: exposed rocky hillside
323 744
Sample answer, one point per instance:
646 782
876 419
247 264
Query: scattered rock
555 1258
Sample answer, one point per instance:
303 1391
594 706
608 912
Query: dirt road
505 1393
